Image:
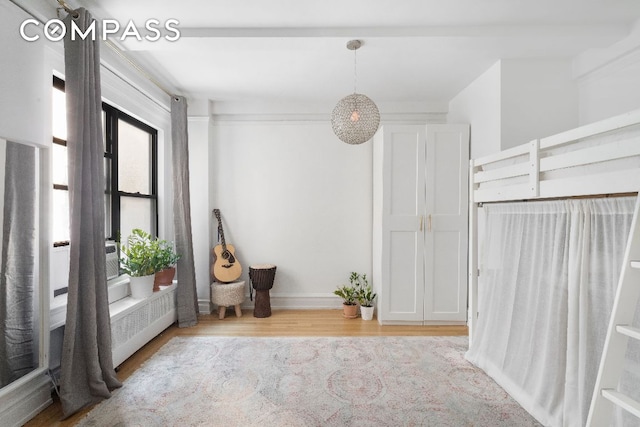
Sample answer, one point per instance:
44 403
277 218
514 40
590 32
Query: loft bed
599 159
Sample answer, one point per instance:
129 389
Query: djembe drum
262 276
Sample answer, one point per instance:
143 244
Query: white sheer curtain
548 276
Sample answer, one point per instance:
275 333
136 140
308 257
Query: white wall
479 105
516 101
23 105
609 79
539 98
200 190
293 195
606 96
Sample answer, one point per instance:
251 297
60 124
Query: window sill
118 290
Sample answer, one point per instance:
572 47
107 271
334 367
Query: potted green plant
349 295
349 301
137 260
366 297
164 260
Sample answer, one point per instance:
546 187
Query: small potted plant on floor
366 297
137 260
349 295
349 301
165 259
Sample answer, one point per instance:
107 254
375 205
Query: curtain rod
122 55
118 52
139 69
68 8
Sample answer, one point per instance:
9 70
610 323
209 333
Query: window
59 154
130 169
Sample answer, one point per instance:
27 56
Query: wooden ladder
605 395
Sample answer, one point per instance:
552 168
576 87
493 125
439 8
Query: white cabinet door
446 234
420 222
403 182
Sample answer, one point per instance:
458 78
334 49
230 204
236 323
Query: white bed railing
600 158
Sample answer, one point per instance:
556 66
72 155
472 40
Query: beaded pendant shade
355 119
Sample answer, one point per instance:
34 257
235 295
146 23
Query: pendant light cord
355 70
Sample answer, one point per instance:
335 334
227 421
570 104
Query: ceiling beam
544 31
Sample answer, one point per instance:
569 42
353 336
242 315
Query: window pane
107 216
59 114
134 159
60 171
135 212
60 215
104 132
107 197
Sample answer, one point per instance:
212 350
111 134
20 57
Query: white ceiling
420 51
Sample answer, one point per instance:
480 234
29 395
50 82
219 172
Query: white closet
420 223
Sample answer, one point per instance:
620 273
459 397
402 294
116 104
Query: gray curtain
87 366
187 295
17 265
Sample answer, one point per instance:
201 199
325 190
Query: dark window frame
112 116
58 83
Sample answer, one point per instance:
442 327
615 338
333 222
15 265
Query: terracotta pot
350 311
164 278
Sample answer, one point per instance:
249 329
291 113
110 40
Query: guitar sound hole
227 255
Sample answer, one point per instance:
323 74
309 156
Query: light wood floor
281 323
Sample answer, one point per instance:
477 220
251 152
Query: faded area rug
364 381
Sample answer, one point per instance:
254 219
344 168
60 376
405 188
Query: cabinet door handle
421 220
429 224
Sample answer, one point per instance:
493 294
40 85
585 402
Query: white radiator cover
135 322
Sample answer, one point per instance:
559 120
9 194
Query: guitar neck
222 242
220 229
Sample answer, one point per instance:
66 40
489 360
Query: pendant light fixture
355 118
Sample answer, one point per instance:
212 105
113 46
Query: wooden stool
227 294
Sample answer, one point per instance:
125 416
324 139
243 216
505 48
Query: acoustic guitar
226 267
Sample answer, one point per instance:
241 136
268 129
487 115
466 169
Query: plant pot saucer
349 311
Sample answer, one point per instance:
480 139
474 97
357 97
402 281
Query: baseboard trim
25 398
284 301
204 306
300 302
445 322
385 322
